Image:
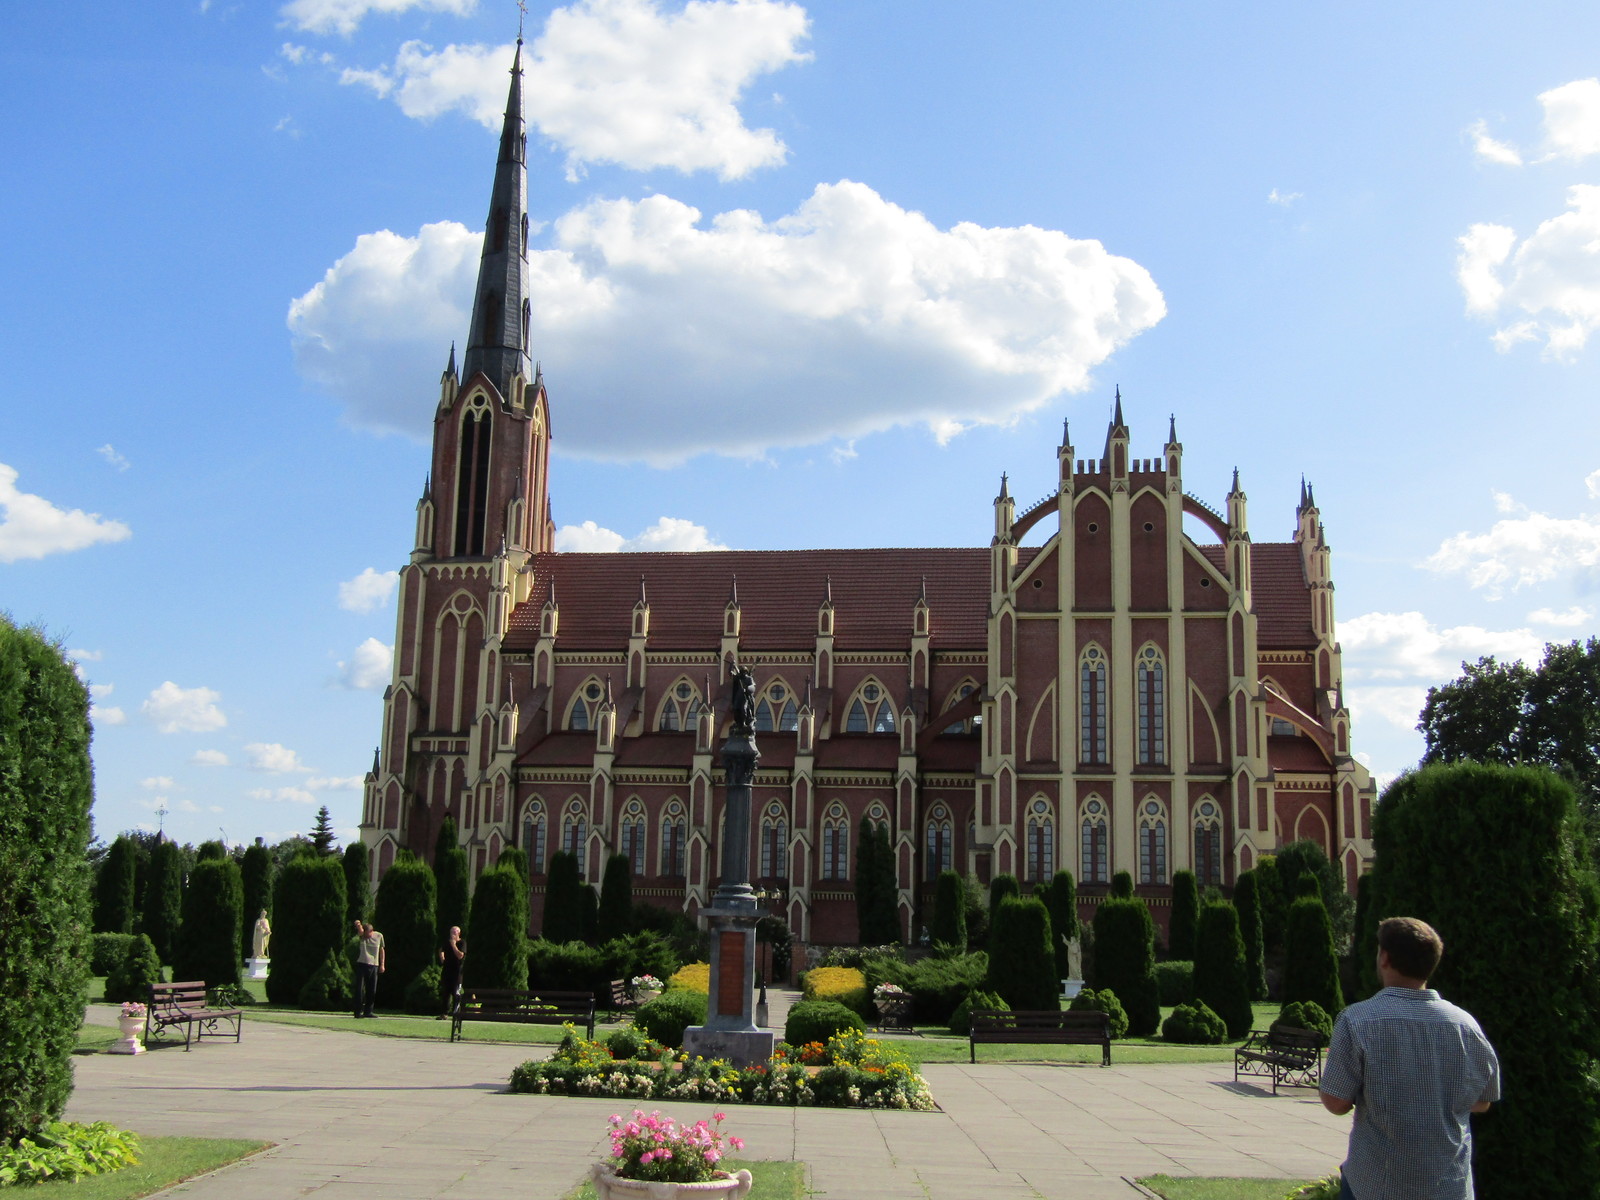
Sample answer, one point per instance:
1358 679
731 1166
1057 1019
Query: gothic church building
1121 697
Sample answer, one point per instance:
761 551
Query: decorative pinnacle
1066 432
643 599
1172 428
450 367
1236 479
733 592
1117 417
1005 490
922 596
827 591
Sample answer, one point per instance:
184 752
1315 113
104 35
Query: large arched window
533 835
632 840
1151 687
1095 842
1092 706
941 841
680 708
472 478
835 844
871 711
580 715
673 837
959 693
1152 842
774 843
777 711
1041 840
1207 843
575 832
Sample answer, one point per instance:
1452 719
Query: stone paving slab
356 1117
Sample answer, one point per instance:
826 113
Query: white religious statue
1073 983
263 936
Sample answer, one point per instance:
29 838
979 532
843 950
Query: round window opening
1149 527
870 692
1205 582
592 691
1093 527
1038 584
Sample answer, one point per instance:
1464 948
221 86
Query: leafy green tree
1495 858
616 898
357 865
1063 905
322 835
404 915
208 946
1310 965
1480 716
1122 885
1124 961
496 932
1220 978
46 788
1304 858
308 913
255 873
210 850
1249 909
1022 964
1185 913
949 911
163 898
113 894
563 900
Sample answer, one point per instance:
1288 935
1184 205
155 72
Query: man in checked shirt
1414 1067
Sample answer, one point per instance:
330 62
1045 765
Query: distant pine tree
322 836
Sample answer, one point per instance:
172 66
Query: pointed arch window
835 844
527 316
680 708
472 478
1150 684
633 833
533 836
960 692
1092 706
872 710
580 715
1041 840
1207 843
673 831
941 842
777 712
1095 843
774 844
1152 842
575 832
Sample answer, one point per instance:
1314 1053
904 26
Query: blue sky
808 275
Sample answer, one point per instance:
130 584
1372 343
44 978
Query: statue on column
262 937
744 701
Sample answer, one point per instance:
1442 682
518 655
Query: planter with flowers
646 988
654 1157
130 1020
894 1006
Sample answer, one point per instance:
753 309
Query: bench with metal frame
523 1006
1042 1027
1290 1056
184 1004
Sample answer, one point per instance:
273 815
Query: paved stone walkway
403 1119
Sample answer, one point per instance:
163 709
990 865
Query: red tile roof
656 750
1295 754
858 752
956 753
1278 590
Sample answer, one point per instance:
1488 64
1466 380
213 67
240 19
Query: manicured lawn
92 1039
773 1181
163 1161
1219 1189
400 1025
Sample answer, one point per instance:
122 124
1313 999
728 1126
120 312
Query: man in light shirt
1414 1067
369 965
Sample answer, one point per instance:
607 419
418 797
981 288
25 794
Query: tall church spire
498 343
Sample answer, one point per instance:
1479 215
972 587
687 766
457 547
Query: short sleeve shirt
369 949
1414 1065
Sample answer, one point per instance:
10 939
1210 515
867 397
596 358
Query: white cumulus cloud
325 783
32 527
368 668
1521 552
848 316
669 533
1492 149
369 590
184 710
1572 120
99 712
619 81
156 783
209 758
1567 618
1284 199
270 756
344 16
292 795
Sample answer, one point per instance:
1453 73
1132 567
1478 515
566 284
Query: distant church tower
483 514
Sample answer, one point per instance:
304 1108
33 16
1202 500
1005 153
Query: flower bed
851 1071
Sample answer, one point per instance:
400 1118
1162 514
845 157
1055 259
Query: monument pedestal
258 967
730 1031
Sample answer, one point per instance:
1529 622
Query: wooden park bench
525 1007
622 998
1291 1056
184 1004
894 1016
998 1026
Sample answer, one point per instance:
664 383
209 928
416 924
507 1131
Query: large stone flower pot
130 1043
607 1186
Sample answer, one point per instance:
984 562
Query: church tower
483 515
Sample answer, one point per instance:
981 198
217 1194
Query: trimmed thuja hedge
163 898
208 939
1310 966
255 877
949 911
496 931
1062 901
357 864
1022 967
308 908
1498 861
1185 915
46 788
1220 982
563 900
1124 961
1248 905
452 891
615 916
113 890
404 915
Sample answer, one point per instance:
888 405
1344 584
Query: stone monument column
730 1032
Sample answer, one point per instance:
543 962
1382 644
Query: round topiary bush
961 1019
1306 1015
816 1021
1175 982
666 1017
332 986
422 993
1194 1025
132 977
1105 1000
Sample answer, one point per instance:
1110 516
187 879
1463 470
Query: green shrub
1124 961
1365 948
1174 982
815 1021
936 985
132 977
422 994
1248 906
1122 885
1310 966
1001 888
1220 982
877 894
64 1151
961 1018
113 890
1306 859
255 878
208 938
308 908
46 788
977 904
615 916
107 950
357 864
563 900
949 926
497 932
1185 915
571 966
627 1042
332 986
1274 908
1105 1000
1194 1025
403 913
452 890
1306 1015
1022 965
666 1017
1063 905
163 898
1497 859
229 995
842 985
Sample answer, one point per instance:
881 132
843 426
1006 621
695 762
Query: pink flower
717 1117
736 1142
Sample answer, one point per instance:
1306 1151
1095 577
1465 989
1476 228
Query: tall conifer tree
113 902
